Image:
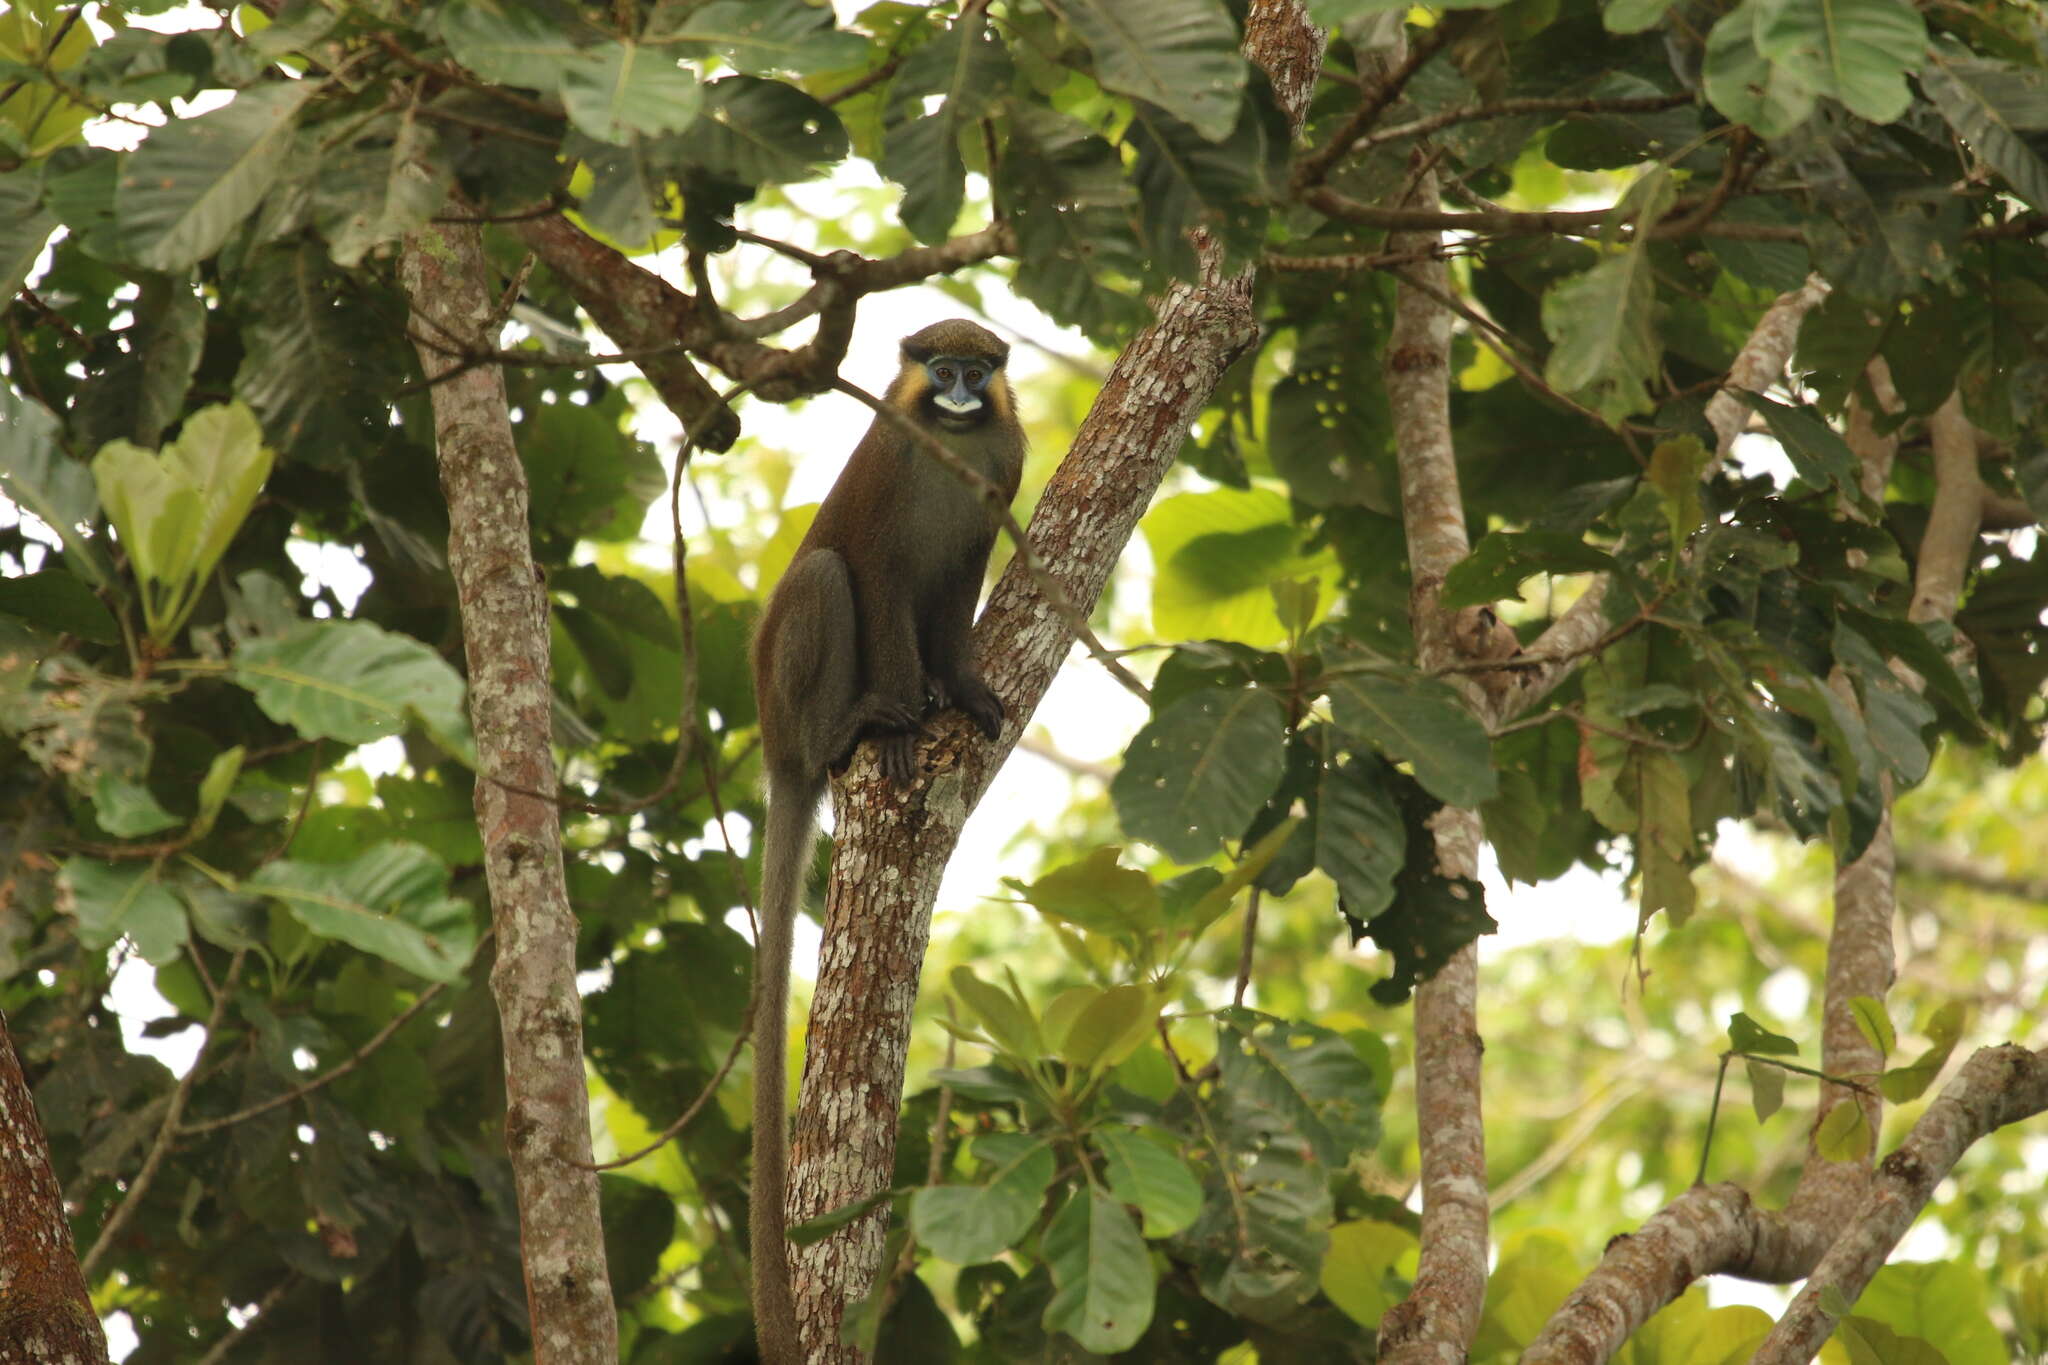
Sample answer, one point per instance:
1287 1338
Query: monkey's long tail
791 828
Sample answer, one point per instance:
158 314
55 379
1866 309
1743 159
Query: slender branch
270 1300
1514 108
167 1132
325 1078
1247 947
1315 168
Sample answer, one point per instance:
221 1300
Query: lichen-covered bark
505 642
46 1315
1440 1316
891 846
1997 1086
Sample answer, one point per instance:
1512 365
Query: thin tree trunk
505 642
46 1315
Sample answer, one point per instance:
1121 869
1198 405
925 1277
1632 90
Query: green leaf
1218 553
1260 1244
1186 180
390 179
1873 1023
353 681
509 42
923 156
1944 1302
37 476
1816 450
813 1230
1747 1035
1003 1015
1178 54
1191 915
760 37
617 89
1766 1089
1110 1027
1095 894
214 788
112 899
1747 86
1362 1256
1606 350
195 180
1503 560
127 809
1064 193
1858 51
1360 841
1988 104
1943 1029
1666 851
1150 1178
25 226
1675 468
1282 1079
1102 1274
1632 16
1866 1341
1844 1135
760 132
967 1224
1423 721
58 601
1196 774
391 901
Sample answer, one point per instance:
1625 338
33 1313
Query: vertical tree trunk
505 641
891 847
46 1315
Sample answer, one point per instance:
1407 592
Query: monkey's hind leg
818 673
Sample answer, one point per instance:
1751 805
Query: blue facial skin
958 382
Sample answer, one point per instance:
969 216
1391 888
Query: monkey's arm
951 679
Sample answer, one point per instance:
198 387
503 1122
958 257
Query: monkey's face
958 392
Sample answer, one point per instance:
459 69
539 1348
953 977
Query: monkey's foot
981 706
896 755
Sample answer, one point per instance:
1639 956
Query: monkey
867 627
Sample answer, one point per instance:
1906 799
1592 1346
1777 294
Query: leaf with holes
1197 773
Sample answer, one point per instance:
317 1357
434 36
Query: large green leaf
1095 894
1606 349
391 901
316 363
1360 842
760 37
1260 1243
1817 450
1218 553
38 477
1150 1178
1858 51
353 681
1502 560
194 181
966 1224
967 70
1296 1083
760 132
1946 1302
61 602
1746 85
1197 773
1178 54
510 42
1102 1274
1422 721
113 899
141 390
617 89
25 225
1186 179
391 178
1989 105
1064 193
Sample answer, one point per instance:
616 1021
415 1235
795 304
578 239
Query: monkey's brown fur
869 622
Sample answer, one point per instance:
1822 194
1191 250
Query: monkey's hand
981 706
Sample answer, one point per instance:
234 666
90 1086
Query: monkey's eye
974 378
944 374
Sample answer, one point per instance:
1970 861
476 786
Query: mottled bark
505 643
1440 1316
46 1315
1997 1086
891 846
